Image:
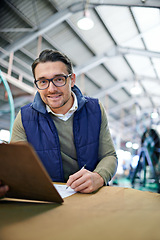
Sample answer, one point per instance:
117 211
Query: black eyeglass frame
51 80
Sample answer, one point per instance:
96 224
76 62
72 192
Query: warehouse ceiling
120 52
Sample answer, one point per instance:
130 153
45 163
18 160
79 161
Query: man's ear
73 79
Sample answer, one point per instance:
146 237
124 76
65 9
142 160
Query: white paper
63 191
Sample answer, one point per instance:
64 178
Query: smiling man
56 96
66 129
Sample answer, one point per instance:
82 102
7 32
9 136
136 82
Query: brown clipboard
23 172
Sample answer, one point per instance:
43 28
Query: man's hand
3 190
85 181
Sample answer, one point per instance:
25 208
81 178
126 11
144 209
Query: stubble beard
62 104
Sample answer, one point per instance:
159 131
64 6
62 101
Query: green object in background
11 102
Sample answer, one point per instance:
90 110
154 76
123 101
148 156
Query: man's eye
59 79
43 81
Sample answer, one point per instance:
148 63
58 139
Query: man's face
59 99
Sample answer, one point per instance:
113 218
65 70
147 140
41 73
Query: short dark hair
50 55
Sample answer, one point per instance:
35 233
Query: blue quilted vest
42 134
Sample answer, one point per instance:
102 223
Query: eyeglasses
58 81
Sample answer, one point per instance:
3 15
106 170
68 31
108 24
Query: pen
80 169
83 167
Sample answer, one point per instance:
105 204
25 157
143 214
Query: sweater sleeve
107 165
18 132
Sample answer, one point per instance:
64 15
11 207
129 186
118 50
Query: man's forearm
107 168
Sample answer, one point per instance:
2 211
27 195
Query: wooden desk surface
111 213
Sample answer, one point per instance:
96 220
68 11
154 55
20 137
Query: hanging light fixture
135 146
154 114
129 144
136 89
85 23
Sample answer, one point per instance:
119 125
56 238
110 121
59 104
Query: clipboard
24 173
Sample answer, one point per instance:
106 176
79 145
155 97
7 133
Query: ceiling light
136 89
135 146
128 144
85 23
154 114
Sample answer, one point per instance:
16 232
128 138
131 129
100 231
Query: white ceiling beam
23 86
128 103
17 29
97 60
116 86
17 71
19 13
130 3
45 26
123 3
134 51
93 62
114 110
118 50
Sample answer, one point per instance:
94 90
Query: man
66 129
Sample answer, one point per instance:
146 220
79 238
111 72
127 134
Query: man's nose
52 87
